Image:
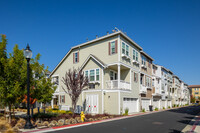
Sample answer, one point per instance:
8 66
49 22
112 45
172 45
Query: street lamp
28 55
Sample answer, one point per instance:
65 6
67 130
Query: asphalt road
171 121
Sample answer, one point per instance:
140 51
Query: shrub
126 111
169 107
177 105
45 115
143 110
163 107
46 123
174 105
156 109
4 126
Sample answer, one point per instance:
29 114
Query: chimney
107 32
96 36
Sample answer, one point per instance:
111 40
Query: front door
92 103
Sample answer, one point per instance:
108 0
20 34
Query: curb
96 122
195 124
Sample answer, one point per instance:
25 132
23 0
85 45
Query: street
170 121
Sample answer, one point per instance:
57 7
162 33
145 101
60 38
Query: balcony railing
143 89
113 84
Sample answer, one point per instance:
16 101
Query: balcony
113 85
143 89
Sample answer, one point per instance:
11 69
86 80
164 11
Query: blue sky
168 30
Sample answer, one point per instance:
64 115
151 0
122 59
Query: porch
113 82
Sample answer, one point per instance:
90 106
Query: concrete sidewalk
193 126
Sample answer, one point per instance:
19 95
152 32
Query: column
118 75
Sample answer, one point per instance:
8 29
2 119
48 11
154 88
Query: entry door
92 104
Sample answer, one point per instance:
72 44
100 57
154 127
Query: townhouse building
176 90
112 63
195 92
146 81
121 76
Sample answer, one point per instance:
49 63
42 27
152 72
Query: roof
95 58
147 55
95 40
194 86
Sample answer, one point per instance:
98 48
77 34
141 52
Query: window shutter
116 46
73 57
109 48
78 56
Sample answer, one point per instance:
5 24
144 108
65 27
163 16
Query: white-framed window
62 99
76 57
135 55
148 82
55 80
97 74
125 49
143 60
113 75
113 47
135 77
92 75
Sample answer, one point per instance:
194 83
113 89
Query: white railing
143 89
113 84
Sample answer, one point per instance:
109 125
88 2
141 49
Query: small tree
75 81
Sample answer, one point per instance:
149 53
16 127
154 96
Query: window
113 75
62 99
97 74
91 75
135 77
76 57
86 73
127 50
135 55
113 47
91 86
149 63
123 48
143 61
55 80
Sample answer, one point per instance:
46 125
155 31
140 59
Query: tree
14 79
74 82
192 99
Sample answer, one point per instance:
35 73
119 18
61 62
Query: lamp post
28 55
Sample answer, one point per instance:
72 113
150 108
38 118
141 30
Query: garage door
169 104
131 104
163 104
92 104
156 103
145 104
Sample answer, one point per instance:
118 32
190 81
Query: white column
102 87
52 102
130 79
118 75
119 97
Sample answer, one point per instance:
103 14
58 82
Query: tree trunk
74 108
10 115
13 111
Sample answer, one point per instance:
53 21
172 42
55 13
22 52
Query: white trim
92 90
147 55
118 47
128 91
130 71
90 56
95 40
102 86
119 99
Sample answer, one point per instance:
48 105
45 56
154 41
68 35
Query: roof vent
87 39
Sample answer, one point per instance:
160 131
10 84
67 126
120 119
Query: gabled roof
142 52
194 86
95 58
96 40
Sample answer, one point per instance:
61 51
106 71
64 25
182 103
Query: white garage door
163 104
92 104
156 103
131 104
145 104
169 104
